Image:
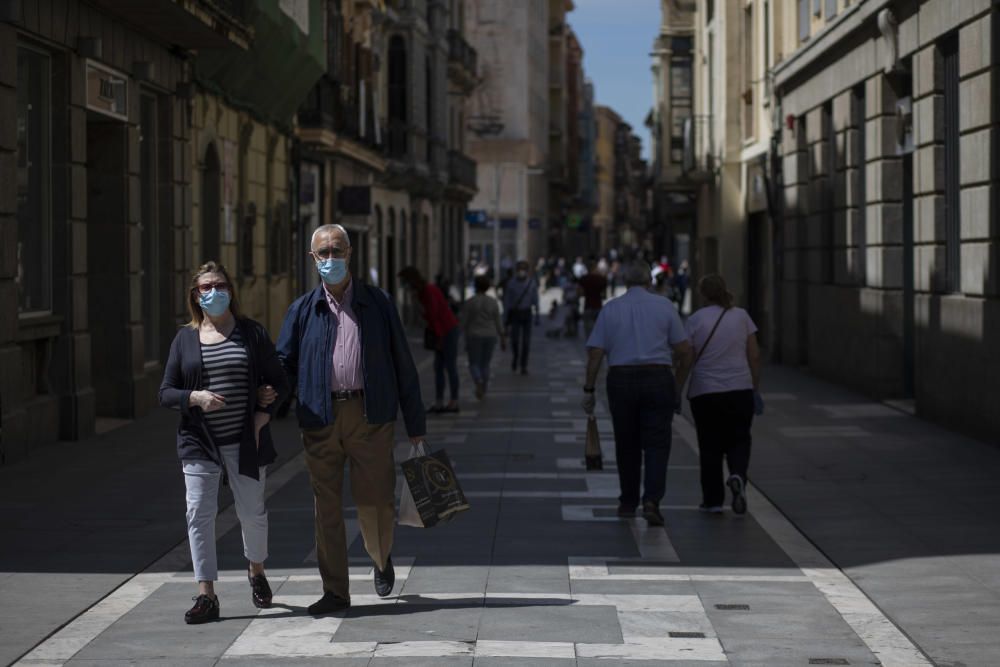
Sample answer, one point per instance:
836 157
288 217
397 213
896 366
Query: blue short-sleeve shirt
638 328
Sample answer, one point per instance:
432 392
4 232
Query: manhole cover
687 635
828 661
733 607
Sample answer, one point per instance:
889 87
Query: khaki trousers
368 450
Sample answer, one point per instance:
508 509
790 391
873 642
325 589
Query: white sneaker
735 484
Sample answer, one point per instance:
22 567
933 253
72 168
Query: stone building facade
95 191
890 248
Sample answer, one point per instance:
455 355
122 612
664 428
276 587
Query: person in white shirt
723 392
643 337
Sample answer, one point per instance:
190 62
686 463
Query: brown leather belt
347 395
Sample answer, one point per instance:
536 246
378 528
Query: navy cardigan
183 375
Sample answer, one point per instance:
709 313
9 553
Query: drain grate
828 661
733 607
687 635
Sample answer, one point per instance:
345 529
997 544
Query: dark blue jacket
182 375
305 346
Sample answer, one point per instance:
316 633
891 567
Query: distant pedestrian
579 268
481 322
520 302
225 378
723 392
681 282
595 289
642 336
441 335
346 346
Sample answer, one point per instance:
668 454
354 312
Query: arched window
210 204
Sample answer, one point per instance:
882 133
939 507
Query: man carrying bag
431 493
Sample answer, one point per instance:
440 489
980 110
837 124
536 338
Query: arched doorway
210 206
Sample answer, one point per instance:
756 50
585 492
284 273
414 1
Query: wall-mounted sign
107 91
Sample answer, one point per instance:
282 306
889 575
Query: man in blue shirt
520 301
643 338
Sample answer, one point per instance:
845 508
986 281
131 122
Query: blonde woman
224 377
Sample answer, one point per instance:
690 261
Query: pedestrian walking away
595 288
441 336
344 344
723 393
642 337
480 320
224 377
520 302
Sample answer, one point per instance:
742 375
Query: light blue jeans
201 478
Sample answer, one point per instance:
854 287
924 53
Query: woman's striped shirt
225 371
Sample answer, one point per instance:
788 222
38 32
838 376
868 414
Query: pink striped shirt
346 372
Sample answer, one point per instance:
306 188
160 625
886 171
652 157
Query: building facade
606 128
95 217
508 131
888 279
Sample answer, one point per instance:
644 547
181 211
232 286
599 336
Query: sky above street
617 37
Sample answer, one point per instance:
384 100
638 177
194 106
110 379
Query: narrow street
540 571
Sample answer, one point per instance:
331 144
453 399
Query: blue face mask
332 271
215 302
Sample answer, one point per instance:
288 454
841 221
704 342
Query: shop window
34 213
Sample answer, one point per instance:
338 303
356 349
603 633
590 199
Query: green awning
271 79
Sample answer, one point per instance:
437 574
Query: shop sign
107 91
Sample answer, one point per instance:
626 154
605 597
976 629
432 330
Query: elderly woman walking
224 376
723 392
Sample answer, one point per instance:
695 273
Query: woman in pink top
723 392
442 334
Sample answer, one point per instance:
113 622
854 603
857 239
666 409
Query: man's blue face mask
332 270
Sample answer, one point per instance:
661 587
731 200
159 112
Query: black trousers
642 410
723 423
520 337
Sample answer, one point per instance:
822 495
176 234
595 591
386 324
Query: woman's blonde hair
713 288
194 306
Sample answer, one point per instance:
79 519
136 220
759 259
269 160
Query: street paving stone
539 572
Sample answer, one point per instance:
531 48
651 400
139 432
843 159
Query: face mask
332 271
215 302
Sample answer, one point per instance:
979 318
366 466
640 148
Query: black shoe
260 590
205 609
328 603
735 484
385 579
626 511
651 513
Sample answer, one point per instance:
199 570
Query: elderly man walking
346 347
643 338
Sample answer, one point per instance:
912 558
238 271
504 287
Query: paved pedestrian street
539 572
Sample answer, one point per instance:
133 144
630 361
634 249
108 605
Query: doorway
108 283
757 278
211 203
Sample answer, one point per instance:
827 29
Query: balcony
462 61
327 119
462 171
698 164
196 24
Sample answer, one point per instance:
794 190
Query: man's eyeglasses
205 288
330 251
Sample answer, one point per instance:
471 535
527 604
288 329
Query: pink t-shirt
723 366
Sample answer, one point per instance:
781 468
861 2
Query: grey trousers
201 478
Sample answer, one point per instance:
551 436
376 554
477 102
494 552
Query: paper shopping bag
431 493
592 450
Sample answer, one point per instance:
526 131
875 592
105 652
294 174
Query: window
279 247
748 72
829 176
34 221
831 9
803 20
952 221
817 7
151 297
859 174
